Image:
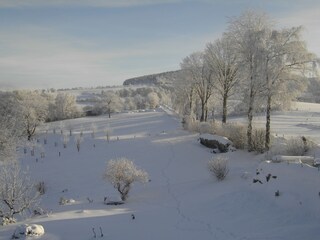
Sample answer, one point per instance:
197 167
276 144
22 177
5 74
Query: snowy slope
182 200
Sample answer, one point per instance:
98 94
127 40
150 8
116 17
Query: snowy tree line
22 112
128 99
253 66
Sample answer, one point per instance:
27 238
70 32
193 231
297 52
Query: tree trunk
224 108
268 123
191 101
250 118
268 113
202 118
206 114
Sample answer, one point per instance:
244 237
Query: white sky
80 43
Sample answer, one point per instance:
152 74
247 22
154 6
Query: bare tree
223 62
17 192
202 79
121 173
184 93
110 102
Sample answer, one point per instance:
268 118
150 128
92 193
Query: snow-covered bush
121 173
78 140
65 201
7 221
23 231
93 130
219 167
236 133
298 146
258 140
108 132
65 140
41 188
17 192
204 127
190 124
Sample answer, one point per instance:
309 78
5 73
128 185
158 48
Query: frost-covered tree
129 104
109 103
34 110
10 126
285 63
247 34
153 100
140 101
122 173
195 66
223 62
184 96
17 191
66 107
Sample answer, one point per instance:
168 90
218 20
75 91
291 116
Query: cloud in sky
76 43
36 61
42 58
84 3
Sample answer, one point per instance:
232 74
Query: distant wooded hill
161 79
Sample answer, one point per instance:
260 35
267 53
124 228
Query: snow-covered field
182 200
302 120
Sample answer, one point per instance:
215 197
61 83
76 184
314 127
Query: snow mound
32 230
294 159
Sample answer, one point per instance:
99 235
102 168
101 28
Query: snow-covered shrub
65 140
7 221
258 140
219 167
78 140
41 188
17 192
93 130
204 127
108 132
191 124
23 231
236 133
298 146
121 173
65 201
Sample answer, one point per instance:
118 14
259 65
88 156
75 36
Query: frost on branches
17 192
121 173
219 167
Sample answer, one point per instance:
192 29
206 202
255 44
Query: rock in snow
26 230
218 143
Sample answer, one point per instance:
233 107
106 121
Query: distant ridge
159 79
